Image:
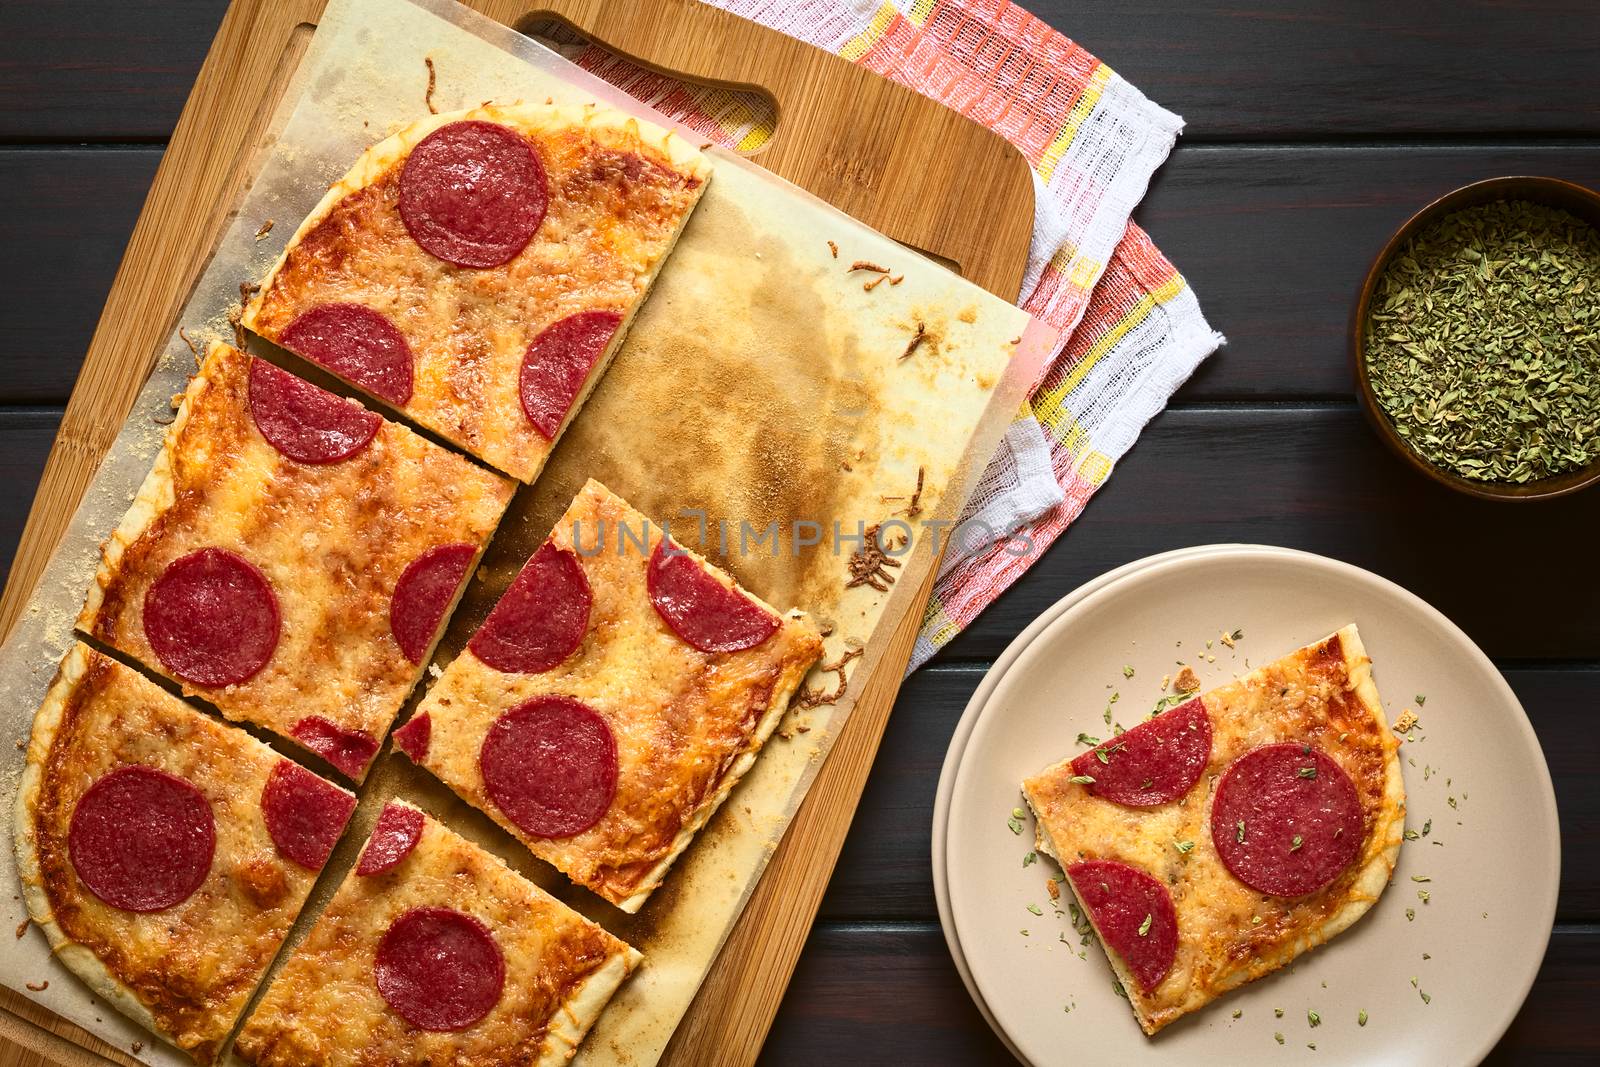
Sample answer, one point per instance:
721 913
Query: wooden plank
1307 69
888 993
1516 577
884 875
25 438
1293 69
68 214
101 71
1277 239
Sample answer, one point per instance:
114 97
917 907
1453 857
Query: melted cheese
1228 933
619 193
687 723
324 1008
191 966
332 539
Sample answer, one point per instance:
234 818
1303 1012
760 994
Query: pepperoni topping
473 193
1286 819
304 423
424 593
1155 762
395 834
1132 913
557 364
551 766
700 609
304 814
439 969
348 750
540 619
211 618
357 344
413 737
142 839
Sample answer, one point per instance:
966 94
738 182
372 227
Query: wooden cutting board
901 163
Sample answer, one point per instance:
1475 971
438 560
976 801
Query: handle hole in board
740 118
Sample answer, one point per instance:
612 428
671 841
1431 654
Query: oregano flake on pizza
1217 841
477 270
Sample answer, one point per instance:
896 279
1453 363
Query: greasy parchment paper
762 393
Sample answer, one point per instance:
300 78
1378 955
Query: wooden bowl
1552 192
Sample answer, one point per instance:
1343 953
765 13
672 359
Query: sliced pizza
477 270
435 952
164 854
292 557
1222 838
611 699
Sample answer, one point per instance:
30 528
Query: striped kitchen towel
1132 329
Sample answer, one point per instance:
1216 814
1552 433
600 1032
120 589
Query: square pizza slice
477 270
613 697
435 952
163 853
1217 841
292 557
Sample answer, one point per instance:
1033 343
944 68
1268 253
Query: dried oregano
1483 342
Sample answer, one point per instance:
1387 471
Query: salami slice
424 593
540 619
413 737
142 839
1133 914
551 765
557 364
1154 763
304 423
348 750
701 610
439 969
304 814
211 618
357 344
394 835
1286 819
473 193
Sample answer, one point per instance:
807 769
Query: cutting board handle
857 140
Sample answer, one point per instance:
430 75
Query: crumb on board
266 228
1051 887
916 341
427 97
22 927
897 279
874 283
833 249
1187 681
39 987
867 264
810 698
1405 722
137 1046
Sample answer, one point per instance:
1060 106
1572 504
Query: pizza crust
582 1009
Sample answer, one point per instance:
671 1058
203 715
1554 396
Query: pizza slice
435 952
611 699
477 270
1222 838
164 854
292 557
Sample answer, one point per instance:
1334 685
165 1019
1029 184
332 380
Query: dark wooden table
1314 129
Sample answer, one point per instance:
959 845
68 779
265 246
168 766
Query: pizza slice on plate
435 952
292 557
164 854
612 698
477 270
1219 840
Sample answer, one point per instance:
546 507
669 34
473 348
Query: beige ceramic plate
1493 874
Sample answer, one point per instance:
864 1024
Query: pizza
435 952
611 698
477 270
292 557
1222 838
164 854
